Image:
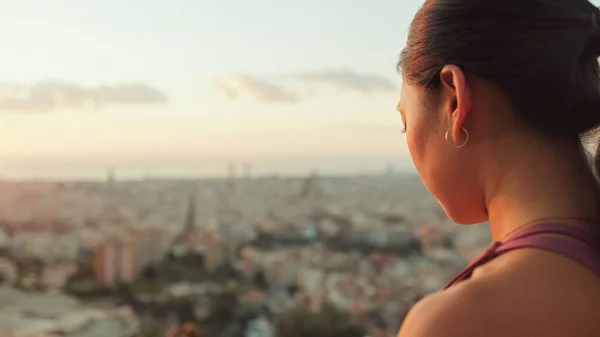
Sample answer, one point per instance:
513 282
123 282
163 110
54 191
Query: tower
189 225
231 171
310 187
231 179
390 170
190 217
110 178
247 170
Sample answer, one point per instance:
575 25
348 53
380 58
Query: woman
496 95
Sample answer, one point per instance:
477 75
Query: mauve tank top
585 249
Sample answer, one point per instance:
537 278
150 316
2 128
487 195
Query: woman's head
478 73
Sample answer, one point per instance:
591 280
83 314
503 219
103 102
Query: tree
329 321
226 272
224 305
149 273
260 280
186 312
186 330
124 292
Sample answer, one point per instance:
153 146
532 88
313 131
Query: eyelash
403 130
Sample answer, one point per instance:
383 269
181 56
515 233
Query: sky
146 85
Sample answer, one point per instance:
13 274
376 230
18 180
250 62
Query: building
105 266
128 269
158 243
187 241
215 253
116 261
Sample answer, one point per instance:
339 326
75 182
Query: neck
544 183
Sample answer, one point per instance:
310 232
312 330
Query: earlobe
458 99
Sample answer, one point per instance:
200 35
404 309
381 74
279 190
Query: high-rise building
105 266
127 264
115 261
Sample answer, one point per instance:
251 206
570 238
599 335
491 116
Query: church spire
190 218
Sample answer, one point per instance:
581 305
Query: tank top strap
482 259
586 237
575 243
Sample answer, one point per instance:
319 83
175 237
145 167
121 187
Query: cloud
349 80
261 90
256 89
55 95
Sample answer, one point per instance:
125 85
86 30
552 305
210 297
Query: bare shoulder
525 299
465 310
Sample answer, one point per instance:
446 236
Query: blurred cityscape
239 256
178 89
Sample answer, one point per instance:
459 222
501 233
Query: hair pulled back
541 54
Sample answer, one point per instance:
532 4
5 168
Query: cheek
423 143
425 153
448 175
434 162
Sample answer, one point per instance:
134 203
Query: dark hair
541 54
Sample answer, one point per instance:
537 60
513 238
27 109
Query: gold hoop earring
455 145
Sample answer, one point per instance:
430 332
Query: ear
456 99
